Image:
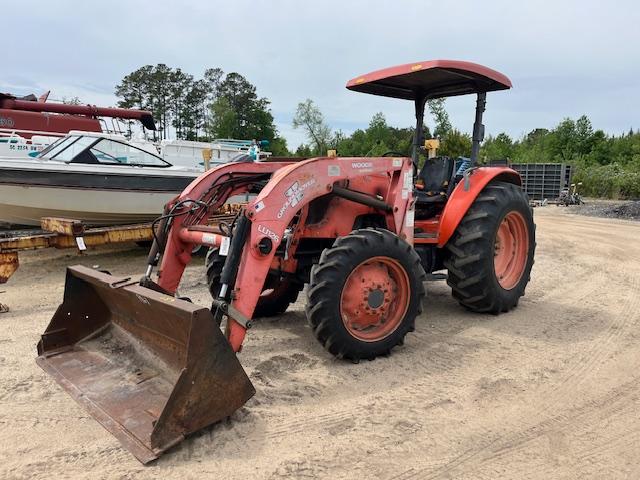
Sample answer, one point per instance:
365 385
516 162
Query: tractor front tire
365 293
491 252
277 295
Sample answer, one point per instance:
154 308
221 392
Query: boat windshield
69 152
57 146
96 150
111 151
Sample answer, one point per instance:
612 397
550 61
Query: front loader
362 232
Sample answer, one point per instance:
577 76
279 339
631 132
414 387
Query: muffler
149 367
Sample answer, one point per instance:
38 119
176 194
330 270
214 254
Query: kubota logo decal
294 194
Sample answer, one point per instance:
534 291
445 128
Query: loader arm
232 179
291 187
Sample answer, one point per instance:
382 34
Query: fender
461 198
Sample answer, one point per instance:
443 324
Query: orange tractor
362 232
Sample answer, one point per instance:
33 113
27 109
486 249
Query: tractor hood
432 78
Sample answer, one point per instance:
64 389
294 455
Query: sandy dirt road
551 390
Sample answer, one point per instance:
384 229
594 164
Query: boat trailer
69 233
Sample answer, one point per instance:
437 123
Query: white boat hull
102 181
22 205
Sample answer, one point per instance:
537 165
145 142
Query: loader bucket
149 367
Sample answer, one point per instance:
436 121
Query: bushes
630 186
607 165
609 181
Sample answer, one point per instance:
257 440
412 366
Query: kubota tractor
362 233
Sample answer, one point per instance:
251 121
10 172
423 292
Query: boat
185 153
97 178
105 179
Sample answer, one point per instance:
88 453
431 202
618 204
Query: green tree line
379 137
218 105
607 165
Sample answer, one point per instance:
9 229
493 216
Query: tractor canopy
430 79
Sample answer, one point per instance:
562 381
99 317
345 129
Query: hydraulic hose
236 246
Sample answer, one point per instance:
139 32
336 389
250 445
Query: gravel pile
608 209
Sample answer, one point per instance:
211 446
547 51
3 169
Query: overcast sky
565 58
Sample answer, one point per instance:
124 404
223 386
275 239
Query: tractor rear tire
278 293
365 293
491 252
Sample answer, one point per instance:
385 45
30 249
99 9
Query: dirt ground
550 390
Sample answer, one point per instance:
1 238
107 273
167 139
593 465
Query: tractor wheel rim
375 299
511 250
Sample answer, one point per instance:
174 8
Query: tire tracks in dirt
621 401
554 395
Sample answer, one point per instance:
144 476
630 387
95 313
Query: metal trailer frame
542 181
69 233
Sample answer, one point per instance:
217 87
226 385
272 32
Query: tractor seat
435 180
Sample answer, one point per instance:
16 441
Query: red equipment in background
29 114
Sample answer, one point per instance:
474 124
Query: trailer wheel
365 294
491 252
276 297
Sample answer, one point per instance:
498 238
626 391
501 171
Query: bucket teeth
149 367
